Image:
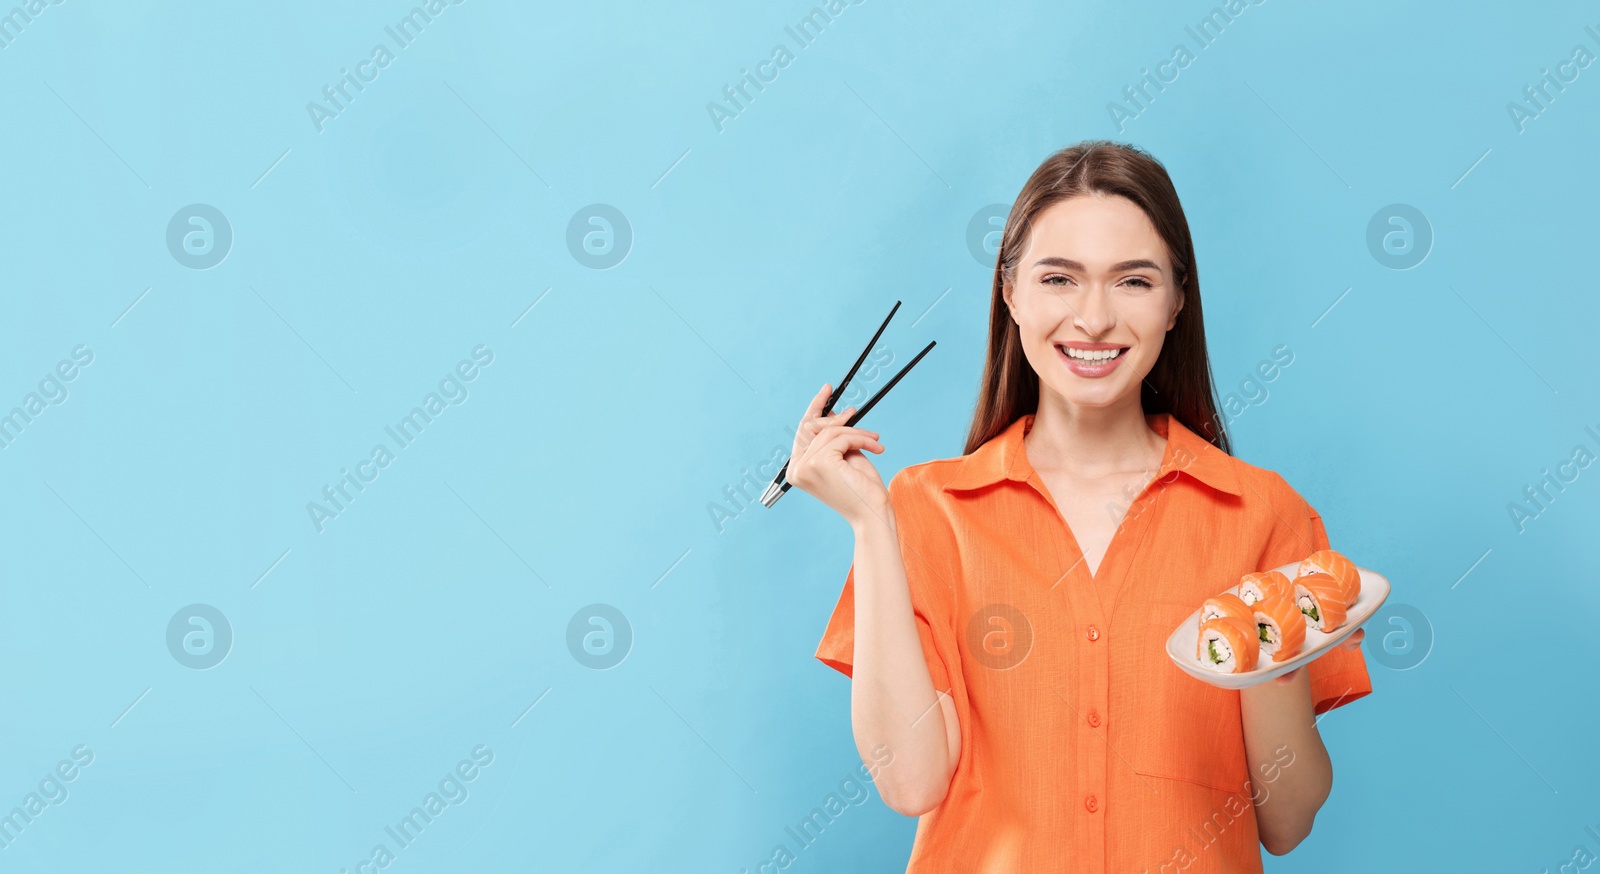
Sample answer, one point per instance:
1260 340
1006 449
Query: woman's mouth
1091 363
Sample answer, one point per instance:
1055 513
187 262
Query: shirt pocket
1182 728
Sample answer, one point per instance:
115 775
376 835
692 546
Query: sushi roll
1228 645
1321 599
1264 584
1326 561
1226 604
1281 627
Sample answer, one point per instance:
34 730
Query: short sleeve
1339 676
927 573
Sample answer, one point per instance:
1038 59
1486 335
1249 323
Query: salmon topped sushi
1280 626
1228 645
1226 604
1334 564
1320 597
1258 586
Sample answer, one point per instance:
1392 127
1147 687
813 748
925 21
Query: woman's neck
1091 442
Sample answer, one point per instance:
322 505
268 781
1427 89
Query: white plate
1181 644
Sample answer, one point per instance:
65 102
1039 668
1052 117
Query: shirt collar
1003 457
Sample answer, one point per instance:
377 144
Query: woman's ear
1172 322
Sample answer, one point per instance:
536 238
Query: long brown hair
1180 382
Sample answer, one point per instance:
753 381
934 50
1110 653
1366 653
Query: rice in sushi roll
1228 645
1321 599
1280 626
1262 585
1327 561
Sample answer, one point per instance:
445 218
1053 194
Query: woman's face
1093 296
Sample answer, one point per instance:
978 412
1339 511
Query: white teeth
1092 354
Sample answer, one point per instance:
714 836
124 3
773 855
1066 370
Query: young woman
1005 615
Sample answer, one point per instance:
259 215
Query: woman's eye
1058 280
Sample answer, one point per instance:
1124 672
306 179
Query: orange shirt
1083 749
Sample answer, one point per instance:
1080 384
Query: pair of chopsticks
779 484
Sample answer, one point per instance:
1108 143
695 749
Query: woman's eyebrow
1069 264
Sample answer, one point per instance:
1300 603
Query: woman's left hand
1351 642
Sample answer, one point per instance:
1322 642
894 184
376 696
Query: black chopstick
780 484
838 390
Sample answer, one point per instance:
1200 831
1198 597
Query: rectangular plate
1181 644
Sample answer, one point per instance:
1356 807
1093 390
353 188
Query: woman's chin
1091 397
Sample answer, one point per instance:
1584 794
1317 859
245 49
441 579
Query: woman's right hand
827 463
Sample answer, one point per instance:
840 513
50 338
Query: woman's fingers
831 441
838 418
811 424
842 438
809 421
818 401
814 409
833 467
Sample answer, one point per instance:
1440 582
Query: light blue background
426 219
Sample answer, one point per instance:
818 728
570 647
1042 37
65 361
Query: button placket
1089 701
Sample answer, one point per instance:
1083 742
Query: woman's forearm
1290 772
892 698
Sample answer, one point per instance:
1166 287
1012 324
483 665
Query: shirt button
1093 633
1094 718
1090 804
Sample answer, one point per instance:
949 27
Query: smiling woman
1003 632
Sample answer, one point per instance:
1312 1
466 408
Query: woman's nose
1094 315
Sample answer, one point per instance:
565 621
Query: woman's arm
892 698
1289 767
